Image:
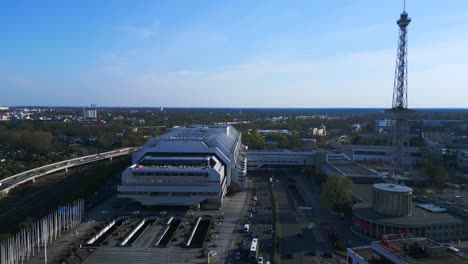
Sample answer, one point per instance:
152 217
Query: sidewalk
59 247
233 208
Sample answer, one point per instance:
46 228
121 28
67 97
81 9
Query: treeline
38 141
437 174
256 141
253 140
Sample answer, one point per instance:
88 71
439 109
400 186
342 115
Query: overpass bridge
11 182
326 164
260 160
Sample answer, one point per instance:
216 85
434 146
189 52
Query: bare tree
336 193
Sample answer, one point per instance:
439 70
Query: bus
254 249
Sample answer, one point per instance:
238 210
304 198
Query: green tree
133 140
39 141
105 140
27 222
436 173
336 193
311 174
254 140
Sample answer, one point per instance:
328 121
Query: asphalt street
303 231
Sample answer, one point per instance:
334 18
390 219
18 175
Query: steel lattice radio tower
400 112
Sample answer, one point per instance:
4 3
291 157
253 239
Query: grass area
276 248
34 200
342 252
337 245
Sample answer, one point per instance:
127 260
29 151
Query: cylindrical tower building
391 199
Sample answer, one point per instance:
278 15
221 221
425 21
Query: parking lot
218 243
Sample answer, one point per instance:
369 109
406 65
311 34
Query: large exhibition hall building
189 166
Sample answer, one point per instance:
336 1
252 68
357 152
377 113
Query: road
298 243
303 231
261 220
257 212
10 182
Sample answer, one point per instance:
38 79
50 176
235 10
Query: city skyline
225 54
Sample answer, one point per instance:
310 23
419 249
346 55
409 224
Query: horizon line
218 107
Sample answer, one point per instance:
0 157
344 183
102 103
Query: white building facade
189 166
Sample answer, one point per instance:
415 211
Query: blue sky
338 53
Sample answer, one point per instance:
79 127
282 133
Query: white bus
254 249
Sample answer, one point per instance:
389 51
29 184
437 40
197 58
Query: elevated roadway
11 182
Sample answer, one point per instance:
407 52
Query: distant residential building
384 125
4 117
274 131
4 108
90 113
431 123
319 131
312 117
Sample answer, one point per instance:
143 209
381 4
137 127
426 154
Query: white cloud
142 32
356 79
14 79
363 79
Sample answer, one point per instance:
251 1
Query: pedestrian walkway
58 248
233 209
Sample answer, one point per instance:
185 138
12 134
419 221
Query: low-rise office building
403 249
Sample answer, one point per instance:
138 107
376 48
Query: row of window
446 235
444 227
175 194
199 174
164 162
274 162
198 182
